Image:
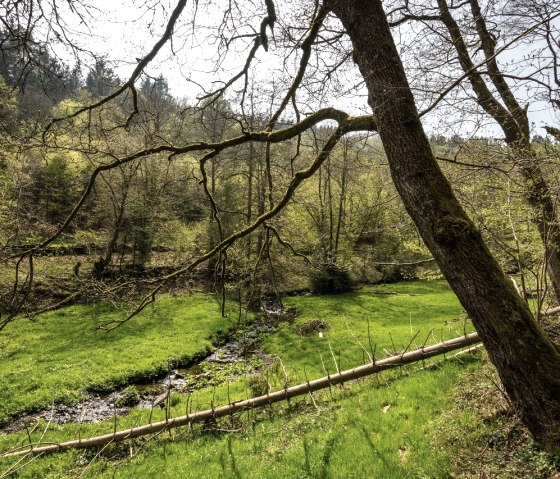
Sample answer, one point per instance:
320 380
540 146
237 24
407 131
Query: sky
126 29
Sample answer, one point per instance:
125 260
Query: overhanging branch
346 124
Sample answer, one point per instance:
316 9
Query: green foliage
331 279
174 400
258 384
128 397
143 237
101 79
55 187
216 374
8 111
28 66
497 203
348 213
155 89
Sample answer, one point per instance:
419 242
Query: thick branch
467 73
306 47
347 124
484 96
366 122
488 44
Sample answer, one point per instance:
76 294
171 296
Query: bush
332 279
258 384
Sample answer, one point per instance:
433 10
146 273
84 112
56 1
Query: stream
239 355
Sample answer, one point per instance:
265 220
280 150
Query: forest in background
346 225
116 191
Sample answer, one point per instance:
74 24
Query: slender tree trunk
329 201
261 197
104 262
527 361
342 198
514 122
114 235
250 174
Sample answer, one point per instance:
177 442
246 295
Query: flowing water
239 355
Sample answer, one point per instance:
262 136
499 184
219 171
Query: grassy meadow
378 427
63 354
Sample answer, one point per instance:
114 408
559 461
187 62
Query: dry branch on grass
270 398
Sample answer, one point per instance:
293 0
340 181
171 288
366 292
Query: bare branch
284 394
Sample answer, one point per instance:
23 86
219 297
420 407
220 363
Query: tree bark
514 122
527 361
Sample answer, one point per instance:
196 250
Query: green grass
484 435
427 310
346 436
349 434
62 354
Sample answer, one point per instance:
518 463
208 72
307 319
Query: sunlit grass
349 435
379 427
379 321
64 353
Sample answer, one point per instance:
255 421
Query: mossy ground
483 435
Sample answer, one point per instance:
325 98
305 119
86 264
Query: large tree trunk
527 361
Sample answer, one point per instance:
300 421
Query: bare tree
472 48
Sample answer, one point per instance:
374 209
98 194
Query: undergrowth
485 437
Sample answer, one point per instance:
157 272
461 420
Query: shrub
331 279
128 397
258 384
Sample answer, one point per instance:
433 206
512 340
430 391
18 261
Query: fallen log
551 311
270 398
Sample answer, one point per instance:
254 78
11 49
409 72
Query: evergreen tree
101 80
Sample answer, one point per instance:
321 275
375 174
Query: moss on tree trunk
527 361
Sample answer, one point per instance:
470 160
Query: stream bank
241 354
